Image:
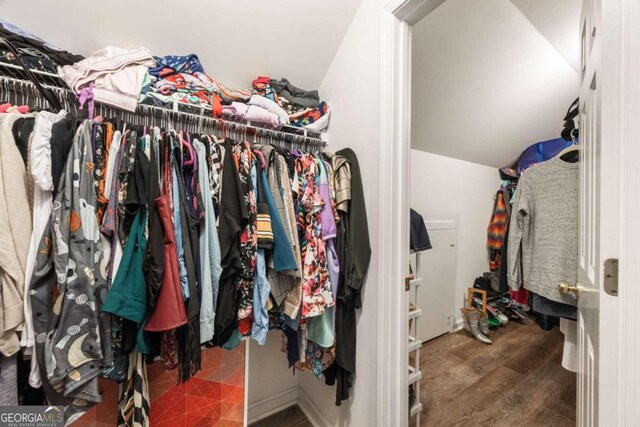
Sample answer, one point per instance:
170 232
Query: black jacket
232 220
419 237
354 253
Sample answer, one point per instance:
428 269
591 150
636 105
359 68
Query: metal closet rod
197 121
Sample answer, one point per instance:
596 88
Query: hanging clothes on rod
169 231
191 119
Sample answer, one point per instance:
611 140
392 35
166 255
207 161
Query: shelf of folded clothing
416 409
414 344
53 81
416 282
415 313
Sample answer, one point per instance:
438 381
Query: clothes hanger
260 157
191 158
571 154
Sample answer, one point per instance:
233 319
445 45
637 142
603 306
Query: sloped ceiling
486 83
236 40
559 22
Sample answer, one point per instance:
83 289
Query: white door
599 184
438 266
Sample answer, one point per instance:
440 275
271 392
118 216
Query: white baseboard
311 410
458 325
272 404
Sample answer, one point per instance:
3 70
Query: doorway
488 80
396 72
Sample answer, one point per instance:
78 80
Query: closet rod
18 68
66 97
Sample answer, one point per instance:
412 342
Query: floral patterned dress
248 239
316 290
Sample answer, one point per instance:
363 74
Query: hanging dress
317 292
65 315
169 312
233 219
248 239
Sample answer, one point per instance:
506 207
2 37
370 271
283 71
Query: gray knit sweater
543 232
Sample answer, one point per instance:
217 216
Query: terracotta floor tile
198 402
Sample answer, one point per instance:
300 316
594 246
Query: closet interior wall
352 82
467 198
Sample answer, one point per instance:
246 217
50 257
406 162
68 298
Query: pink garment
521 296
252 113
117 74
269 105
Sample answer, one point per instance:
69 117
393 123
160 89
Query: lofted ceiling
486 82
559 22
236 40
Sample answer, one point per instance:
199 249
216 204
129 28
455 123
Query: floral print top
316 289
248 239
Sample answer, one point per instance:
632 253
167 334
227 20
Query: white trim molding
272 404
442 224
458 325
413 11
311 411
393 234
629 267
393 257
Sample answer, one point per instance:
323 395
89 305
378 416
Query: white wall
272 384
559 22
486 83
442 187
351 83
236 41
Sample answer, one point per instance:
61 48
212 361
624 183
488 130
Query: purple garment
327 219
329 229
333 265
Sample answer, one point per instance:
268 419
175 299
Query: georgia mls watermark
31 416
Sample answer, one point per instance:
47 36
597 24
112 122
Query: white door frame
629 266
393 256
395 87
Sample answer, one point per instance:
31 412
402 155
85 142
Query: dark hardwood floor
290 417
516 381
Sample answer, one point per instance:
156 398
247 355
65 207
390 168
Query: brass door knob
565 288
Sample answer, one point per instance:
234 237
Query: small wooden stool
471 292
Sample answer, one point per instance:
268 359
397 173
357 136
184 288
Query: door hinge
611 276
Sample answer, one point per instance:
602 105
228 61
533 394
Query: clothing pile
124 77
183 79
34 52
304 108
124 243
111 75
